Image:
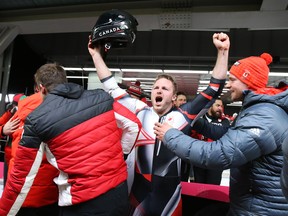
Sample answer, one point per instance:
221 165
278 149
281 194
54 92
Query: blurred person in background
186 171
135 91
180 99
214 116
11 126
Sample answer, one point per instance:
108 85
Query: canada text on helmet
115 27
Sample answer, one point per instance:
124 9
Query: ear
43 90
174 97
36 88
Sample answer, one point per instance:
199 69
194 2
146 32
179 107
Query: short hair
181 93
219 98
50 75
170 78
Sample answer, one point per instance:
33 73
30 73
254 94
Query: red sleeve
21 178
129 124
5 117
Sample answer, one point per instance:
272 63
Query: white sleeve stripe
28 181
214 88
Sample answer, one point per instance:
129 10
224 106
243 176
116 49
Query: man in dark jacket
79 132
284 175
252 145
214 116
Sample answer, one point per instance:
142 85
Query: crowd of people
251 147
107 152
156 188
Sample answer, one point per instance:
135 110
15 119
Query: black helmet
115 29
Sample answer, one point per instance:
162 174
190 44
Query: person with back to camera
43 195
156 188
78 130
252 145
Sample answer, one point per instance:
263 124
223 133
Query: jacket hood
28 104
277 96
68 90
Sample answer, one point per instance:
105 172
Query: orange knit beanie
253 71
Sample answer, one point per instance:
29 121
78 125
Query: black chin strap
104 50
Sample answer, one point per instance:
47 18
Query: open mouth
158 99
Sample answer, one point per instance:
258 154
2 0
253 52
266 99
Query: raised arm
109 83
101 68
222 43
217 81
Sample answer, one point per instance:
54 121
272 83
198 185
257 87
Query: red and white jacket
79 132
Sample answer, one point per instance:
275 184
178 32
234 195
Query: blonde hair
170 78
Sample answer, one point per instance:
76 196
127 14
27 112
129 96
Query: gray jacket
252 149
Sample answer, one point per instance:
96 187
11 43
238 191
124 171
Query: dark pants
220 209
207 176
112 203
48 210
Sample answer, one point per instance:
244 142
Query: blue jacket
252 149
